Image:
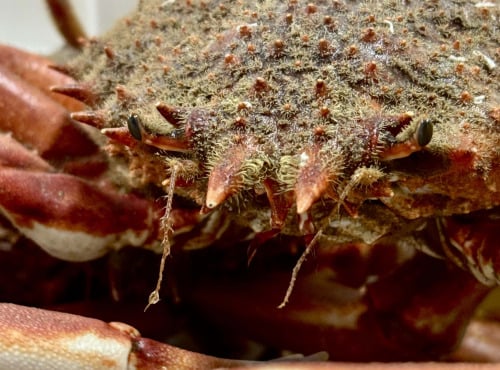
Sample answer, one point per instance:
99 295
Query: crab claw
70 218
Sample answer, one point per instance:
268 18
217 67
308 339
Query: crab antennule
279 202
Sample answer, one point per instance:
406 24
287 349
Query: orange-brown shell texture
273 108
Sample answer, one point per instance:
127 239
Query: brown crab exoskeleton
341 137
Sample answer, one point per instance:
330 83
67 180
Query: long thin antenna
166 222
297 267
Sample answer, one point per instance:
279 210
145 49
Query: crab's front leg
38 339
53 177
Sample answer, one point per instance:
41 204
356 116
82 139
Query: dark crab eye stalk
424 132
175 142
421 137
134 126
135 133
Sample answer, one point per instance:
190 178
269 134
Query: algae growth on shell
260 90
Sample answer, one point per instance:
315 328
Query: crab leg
13 154
70 218
38 339
66 21
38 72
353 323
38 120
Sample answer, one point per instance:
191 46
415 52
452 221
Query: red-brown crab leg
66 21
13 154
38 339
58 211
38 72
50 119
38 120
70 218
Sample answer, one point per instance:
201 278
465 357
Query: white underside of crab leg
38 339
32 338
70 218
78 246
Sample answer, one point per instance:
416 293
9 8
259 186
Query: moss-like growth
287 78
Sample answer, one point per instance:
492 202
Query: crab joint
421 137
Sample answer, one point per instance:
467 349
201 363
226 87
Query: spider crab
361 140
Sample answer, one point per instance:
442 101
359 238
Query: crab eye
424 132
134 126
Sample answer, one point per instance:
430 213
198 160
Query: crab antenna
167 225
293 279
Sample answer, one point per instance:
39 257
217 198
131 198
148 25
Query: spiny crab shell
347 126
312 105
